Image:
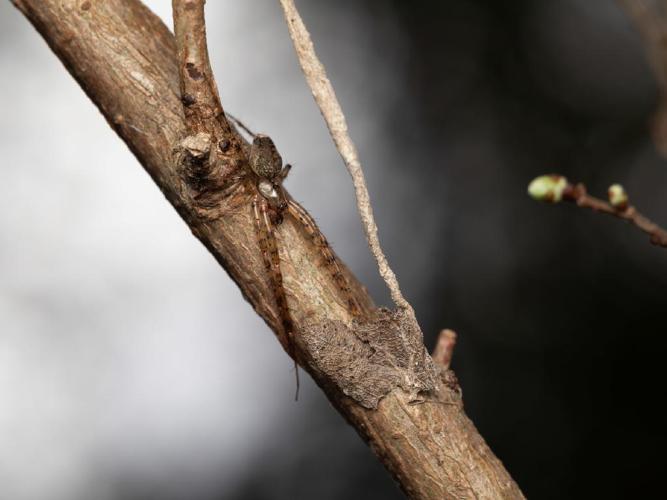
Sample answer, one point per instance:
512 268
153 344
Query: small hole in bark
188 99
194 73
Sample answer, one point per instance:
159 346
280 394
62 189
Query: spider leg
321 243
283 173
269 248
232 186
233 182
224 198
240 124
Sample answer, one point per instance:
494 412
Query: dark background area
560 312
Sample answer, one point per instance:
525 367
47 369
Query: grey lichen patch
369 358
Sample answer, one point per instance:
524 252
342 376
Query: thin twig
444 349
553 188
579 195
326 99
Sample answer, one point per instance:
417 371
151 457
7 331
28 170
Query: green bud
548 188
618 197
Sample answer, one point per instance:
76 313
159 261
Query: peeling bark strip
326 100
125 60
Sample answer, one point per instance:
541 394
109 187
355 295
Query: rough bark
125 60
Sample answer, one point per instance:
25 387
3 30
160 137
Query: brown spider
270 203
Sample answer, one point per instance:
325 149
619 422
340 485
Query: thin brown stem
444 349
579 195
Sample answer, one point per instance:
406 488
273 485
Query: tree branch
555 188
199 93
125 59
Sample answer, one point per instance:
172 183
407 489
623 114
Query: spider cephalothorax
265 160
266 163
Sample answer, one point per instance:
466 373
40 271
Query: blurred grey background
117 384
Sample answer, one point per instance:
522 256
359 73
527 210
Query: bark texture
125 59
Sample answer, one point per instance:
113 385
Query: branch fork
207 172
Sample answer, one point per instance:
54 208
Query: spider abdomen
264 159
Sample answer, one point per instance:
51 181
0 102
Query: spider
270 204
